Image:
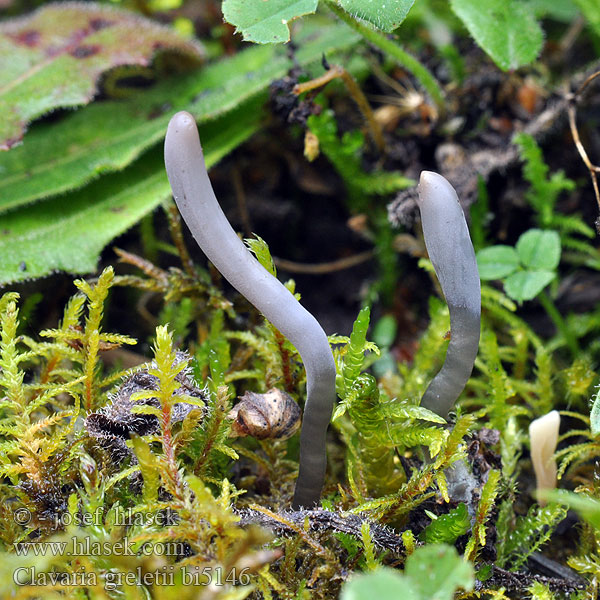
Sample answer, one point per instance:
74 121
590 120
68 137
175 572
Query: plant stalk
403 58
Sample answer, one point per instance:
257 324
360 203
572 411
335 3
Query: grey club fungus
200 209
451 252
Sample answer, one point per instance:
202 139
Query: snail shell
272 415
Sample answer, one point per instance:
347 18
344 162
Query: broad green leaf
68 233
437 571
564 10
588 508
107 136
383 584
432 572
384 14
53 57
591 11
497 262
539 249
526 285
266 22
505 29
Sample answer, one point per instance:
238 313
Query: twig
572 112
325 267
338 72
177 236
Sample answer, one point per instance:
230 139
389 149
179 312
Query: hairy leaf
68 233
107 136
266 22
505 29
43 67
387 15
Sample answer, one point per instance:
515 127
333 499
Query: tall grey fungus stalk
200 209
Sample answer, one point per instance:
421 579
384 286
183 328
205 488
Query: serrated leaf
266 22
539 250
68 233
107 136
384 14
526 285
505 29
497 262
44 67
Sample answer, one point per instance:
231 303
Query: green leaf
68 233
526 285
107 136
43 67
387 15
260 249
383 584
505 29
266 22
437 571
590 11
432 572
449 527
539 250
497 262
588 508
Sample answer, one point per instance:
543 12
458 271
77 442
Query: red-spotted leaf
53 57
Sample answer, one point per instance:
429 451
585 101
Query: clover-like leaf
526 285
497 262
539 249
383 584
266 22
53 57
505 29
437 571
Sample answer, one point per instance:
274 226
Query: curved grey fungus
200 209
451 252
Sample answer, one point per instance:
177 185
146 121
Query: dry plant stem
198 205
177 237
326 267
337 71
572 112
451 252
